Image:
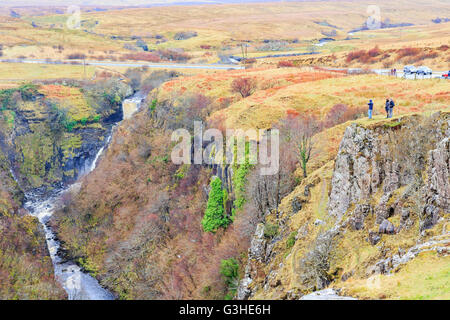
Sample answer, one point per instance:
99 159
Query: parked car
424 70
446 75
409 69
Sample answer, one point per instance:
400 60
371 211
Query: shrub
314 267
285 64
355 55
184 35
374 52
407 52
135 77
229 269
240 181
153 105
291 240
78 56
270 230
215 216
244 86
173 55
142 56
341 113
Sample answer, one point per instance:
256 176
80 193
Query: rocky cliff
381 206
49 133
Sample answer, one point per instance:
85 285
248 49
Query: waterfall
78 284
100 152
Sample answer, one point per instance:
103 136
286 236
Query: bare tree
304 151
268 190
244 86
299 131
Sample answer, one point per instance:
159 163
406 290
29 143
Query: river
78 284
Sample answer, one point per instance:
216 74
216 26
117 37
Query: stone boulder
386 227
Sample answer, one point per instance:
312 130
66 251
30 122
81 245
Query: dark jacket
370 105
387 105
391 104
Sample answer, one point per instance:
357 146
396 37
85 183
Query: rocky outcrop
390 180
438 183
390 264
326 294
381 160
45 147
256 254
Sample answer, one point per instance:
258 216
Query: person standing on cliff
386 107
391 108
370 108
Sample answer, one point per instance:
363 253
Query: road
400 74
413 76
131 65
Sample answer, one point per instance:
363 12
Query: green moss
215 215
88 265
290 240
182 171
37 149
229 269
70 143
270 230
392 124
240 181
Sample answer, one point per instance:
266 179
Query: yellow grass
224 27
426 277
318 97
28 72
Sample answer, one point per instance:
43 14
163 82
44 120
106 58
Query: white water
132 105
78 284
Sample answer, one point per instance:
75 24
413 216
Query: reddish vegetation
407 52
364 56
167 55
340 113
285 64
244 86
173 55
374 52
142 56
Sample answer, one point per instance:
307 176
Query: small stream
78 284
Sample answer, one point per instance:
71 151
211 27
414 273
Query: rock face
326 294
45 146
438 183
256 253
389 179
386 227
387 158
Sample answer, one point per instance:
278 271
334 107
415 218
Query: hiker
370 108
391 107
387 108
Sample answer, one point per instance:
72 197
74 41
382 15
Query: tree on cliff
215 215
299 130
